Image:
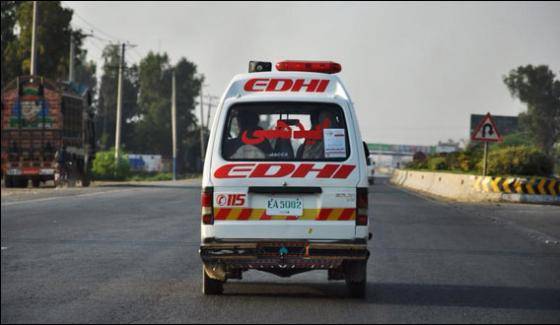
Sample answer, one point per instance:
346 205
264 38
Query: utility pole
174 124
119 107
210 106
201 125
71 59
33 63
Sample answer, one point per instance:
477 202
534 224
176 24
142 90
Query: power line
92 33
136 52
118 39
94 44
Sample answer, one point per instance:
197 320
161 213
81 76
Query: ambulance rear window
288 131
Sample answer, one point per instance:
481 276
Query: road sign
486 131
506 124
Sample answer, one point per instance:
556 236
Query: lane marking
65 197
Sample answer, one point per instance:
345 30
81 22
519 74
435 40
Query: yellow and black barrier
533 185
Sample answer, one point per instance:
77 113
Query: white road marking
66 197
4 248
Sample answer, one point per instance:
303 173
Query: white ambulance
285 184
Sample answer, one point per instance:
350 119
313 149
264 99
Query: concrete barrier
472 188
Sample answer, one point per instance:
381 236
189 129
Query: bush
146 176
520 161
437 163
104 167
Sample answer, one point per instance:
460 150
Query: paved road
129 254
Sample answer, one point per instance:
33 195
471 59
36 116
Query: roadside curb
467 188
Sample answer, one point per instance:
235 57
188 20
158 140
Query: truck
43 120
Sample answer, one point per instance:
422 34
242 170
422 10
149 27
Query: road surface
129 254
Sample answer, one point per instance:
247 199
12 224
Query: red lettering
262 170
226 171
309 87
279 84
252 83
325 172
322 86
239 199
344 171
273 84
277 170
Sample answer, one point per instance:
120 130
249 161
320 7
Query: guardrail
462 187
534 185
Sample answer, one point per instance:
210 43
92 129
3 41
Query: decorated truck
45 125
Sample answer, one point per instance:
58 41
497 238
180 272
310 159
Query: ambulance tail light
309 66
206 202
362 206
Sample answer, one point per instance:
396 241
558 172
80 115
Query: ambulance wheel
357 289
355 274
211 286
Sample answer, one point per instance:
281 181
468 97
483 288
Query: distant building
145 163
396 155
448 147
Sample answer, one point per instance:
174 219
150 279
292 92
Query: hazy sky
415 71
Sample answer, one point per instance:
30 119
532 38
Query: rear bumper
282 254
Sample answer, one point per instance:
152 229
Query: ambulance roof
278 84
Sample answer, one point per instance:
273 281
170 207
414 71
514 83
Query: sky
415 71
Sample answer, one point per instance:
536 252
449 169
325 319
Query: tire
36 183
21 182
9 181
357 289
85 168
356 278
85 181
210 286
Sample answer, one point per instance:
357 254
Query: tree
53 42
153 129
8 35
537 87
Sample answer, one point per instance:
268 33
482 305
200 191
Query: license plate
284 206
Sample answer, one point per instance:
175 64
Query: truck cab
285 182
